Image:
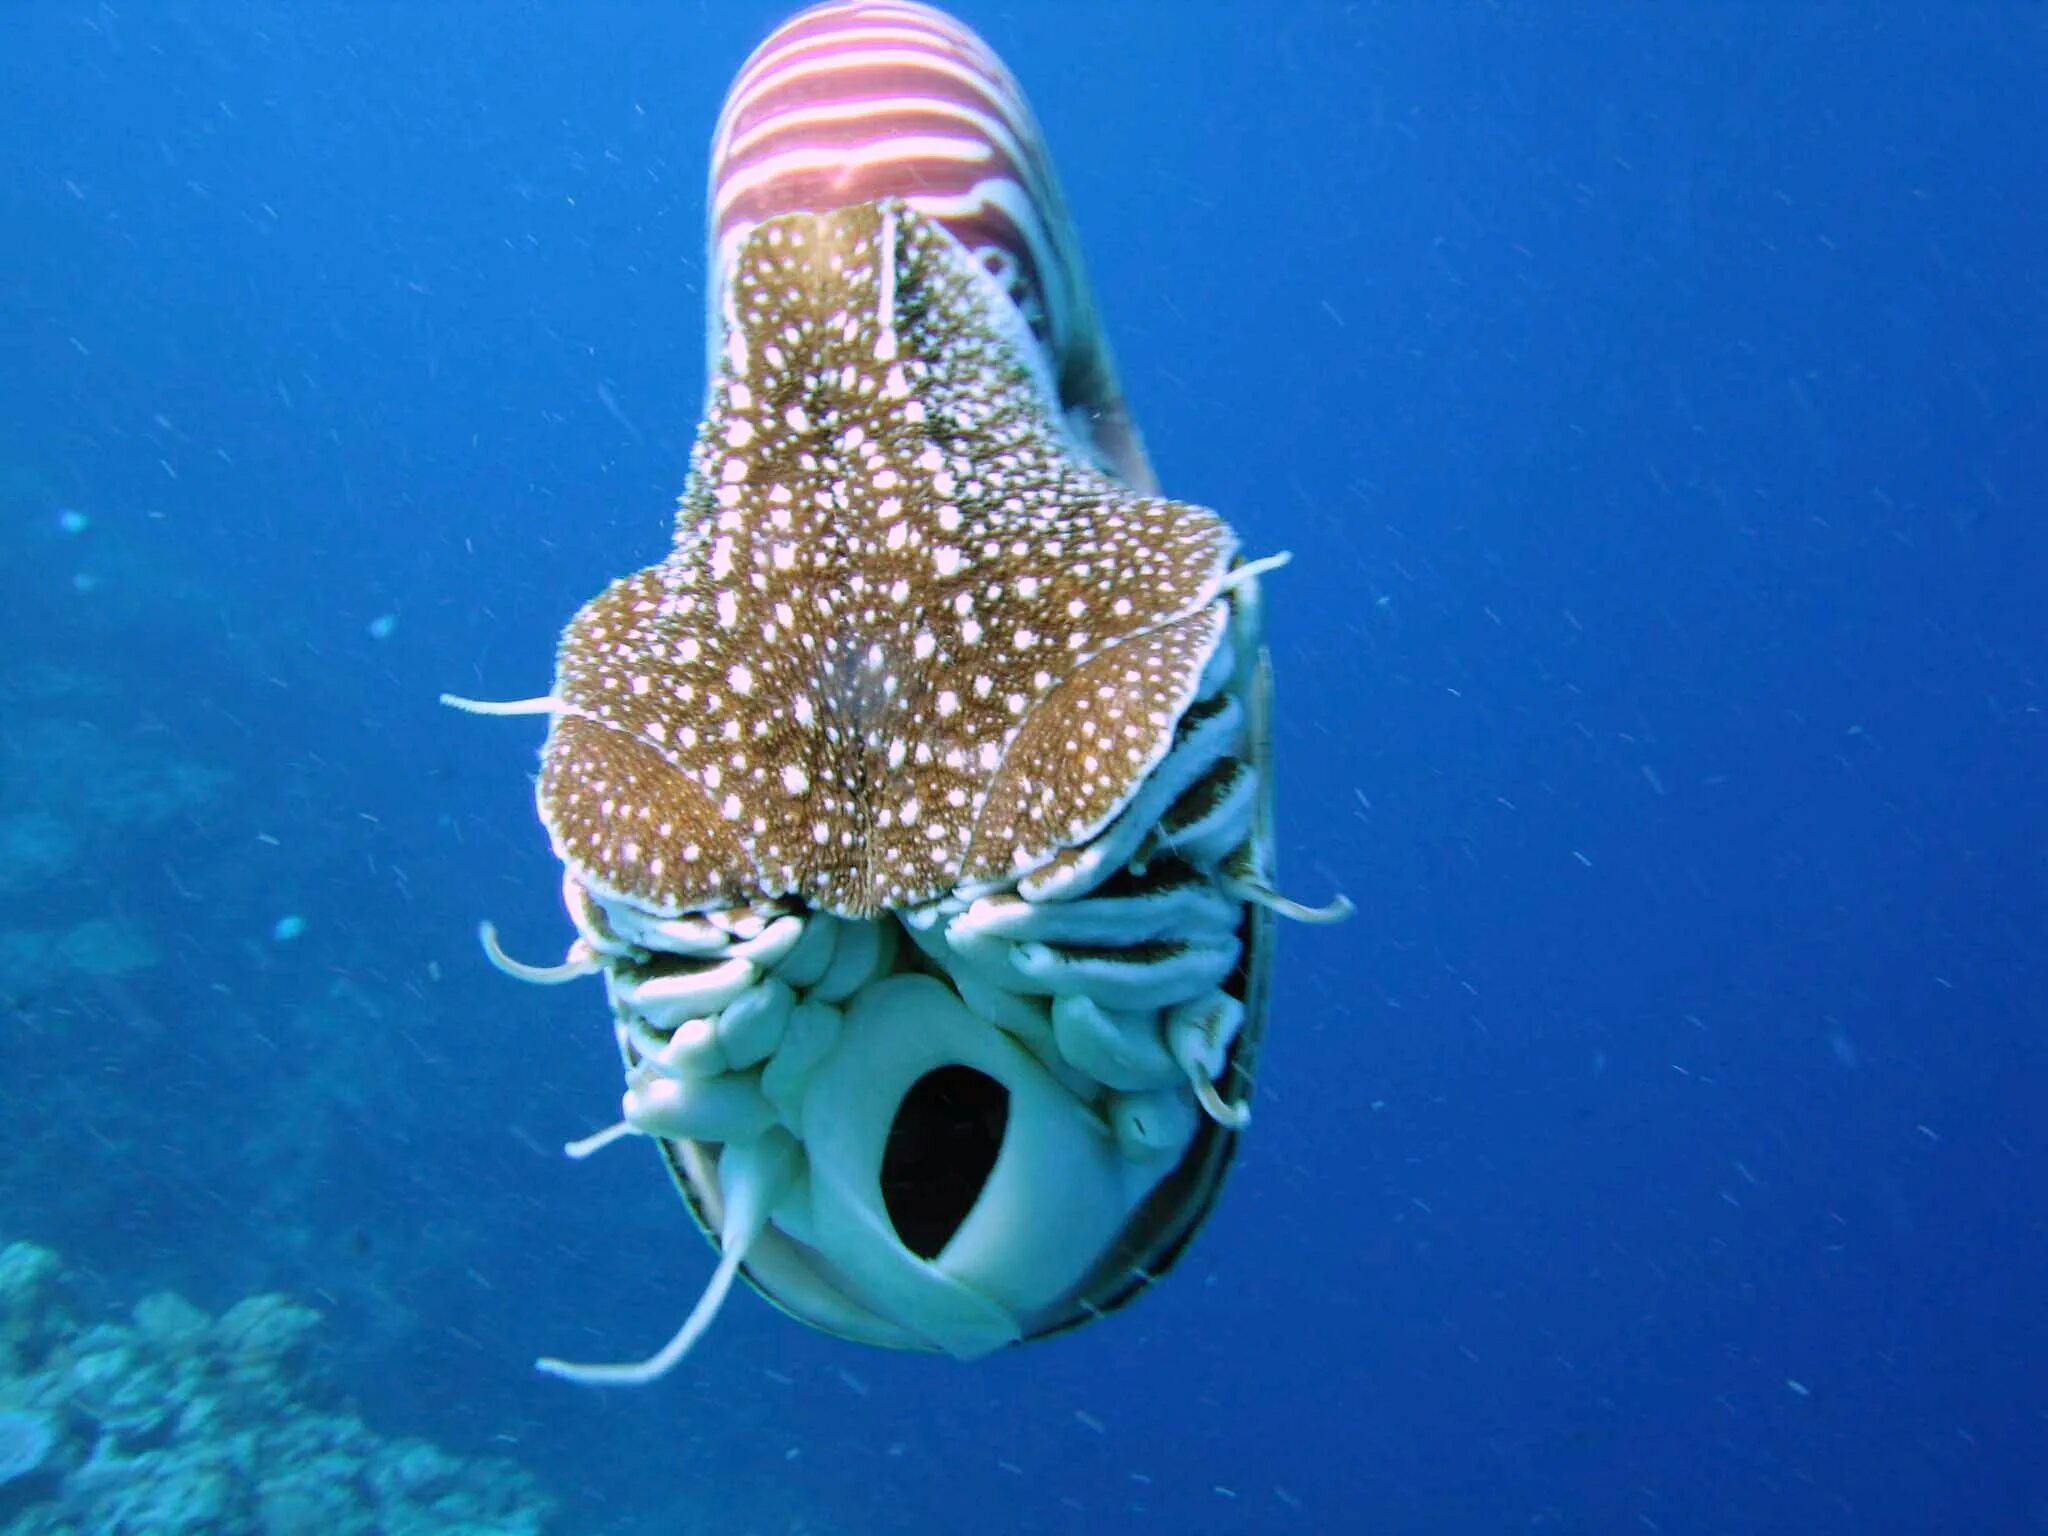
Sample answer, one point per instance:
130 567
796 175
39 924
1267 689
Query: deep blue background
1656 401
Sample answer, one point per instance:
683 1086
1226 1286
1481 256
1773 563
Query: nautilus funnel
916 809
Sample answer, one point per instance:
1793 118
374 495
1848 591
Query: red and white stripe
857 100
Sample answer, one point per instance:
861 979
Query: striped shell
915 808
852 103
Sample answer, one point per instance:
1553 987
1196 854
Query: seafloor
196 1091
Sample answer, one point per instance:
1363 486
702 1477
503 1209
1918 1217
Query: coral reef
176 1422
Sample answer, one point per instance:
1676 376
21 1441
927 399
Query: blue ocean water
1653 400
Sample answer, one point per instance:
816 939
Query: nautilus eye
915 809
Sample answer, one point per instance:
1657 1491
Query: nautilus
916 809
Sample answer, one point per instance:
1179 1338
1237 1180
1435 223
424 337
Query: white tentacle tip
594 1375
597 1142
1251 570
754 1176
1335 910
546 704
581 960
1232 1117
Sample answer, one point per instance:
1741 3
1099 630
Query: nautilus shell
915 810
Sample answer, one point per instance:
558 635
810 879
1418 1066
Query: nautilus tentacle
916 809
